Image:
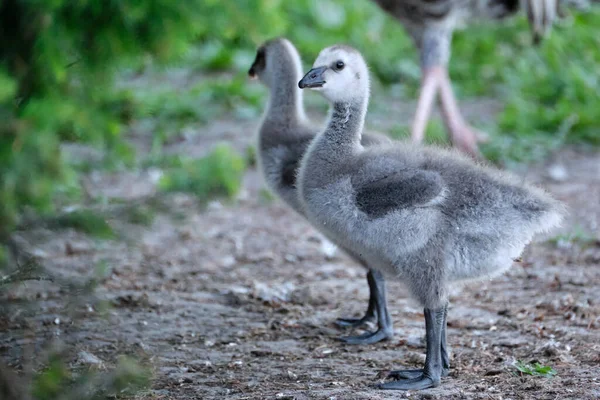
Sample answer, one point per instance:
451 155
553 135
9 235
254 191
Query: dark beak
313 79
252 72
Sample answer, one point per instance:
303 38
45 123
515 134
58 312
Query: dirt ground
238 300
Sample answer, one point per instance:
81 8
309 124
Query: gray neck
285 99
346 123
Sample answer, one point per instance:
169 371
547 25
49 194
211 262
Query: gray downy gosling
430 217
283 137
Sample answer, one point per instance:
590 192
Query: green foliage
85 221
58 61
49 384
509 149
217 174
578 236
208 99
251 156
553 87
3 257
140 215
57 381
535 369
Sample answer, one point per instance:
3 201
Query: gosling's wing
400 190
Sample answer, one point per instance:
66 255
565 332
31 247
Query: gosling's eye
339 65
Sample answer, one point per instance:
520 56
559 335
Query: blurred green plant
58 60
57 381
86 221
209 99
217 174
140 215
577 236
535 369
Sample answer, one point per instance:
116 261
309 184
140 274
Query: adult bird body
431 24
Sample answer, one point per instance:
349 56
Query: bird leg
430 81
385 329
462 135
370 315
430 376
415 373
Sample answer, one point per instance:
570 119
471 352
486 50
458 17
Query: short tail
543 211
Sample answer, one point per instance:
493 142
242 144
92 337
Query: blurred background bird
431 24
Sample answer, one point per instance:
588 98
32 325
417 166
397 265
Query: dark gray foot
412 373
369 337
354 322
378 308
416 373
419 383
371 314
436 360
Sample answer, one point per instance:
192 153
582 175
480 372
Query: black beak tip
301 85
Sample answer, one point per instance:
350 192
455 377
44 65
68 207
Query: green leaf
535 369
88 222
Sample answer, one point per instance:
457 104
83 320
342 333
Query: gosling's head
277 62
340 73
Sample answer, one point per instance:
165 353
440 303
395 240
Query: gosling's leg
415 373
370 315
432 373
462 135
385 329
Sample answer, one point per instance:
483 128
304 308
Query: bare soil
237 301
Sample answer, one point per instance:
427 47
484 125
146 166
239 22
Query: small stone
88 358
558 173
292 259
38 253
155 174
214 205
228 261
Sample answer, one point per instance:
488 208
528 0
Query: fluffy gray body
428 216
